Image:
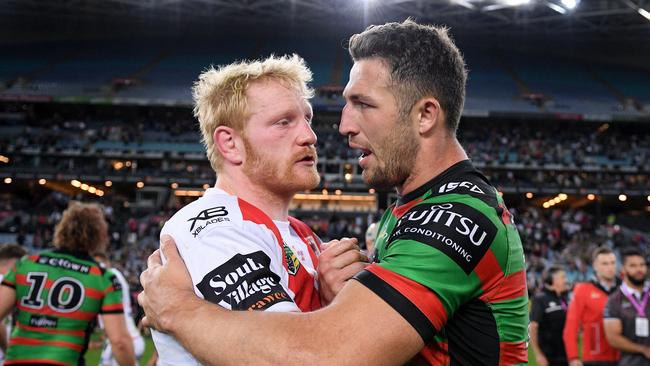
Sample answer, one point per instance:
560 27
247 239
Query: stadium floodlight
515 2
622 197
556 7
464 3
503 4
570 4
644 13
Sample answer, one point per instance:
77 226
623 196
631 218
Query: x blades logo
210 216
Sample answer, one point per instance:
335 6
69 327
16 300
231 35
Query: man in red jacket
586 313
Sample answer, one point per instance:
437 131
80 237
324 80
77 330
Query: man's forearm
623 344
341 334
216 336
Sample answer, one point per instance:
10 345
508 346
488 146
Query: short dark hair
11 251
631 252
82 229
598 251
423 60
551 271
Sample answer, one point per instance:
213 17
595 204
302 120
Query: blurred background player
58 294
585 314
627 312
371 236
107 357
9 254
547 319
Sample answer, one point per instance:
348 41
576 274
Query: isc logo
448 187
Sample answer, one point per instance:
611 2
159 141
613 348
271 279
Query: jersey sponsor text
243 281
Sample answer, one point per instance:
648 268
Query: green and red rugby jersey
58 297
450 261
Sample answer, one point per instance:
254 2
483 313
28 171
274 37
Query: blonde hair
220 94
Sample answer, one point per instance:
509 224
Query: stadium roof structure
600 18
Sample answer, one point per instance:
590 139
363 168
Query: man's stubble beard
398 152
273 175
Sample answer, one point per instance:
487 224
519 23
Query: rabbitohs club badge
293 264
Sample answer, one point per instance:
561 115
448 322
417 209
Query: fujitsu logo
442 214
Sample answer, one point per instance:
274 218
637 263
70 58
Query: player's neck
275 205
634 286
606 283
433 159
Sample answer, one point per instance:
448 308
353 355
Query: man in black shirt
627 312
547 319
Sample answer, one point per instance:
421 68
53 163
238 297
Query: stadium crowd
550 236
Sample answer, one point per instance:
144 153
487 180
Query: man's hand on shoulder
338 262
168 288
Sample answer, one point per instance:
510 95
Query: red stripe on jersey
512 353
23 341
112 307
505 215
21 279
33 258
421 296
254 214
302 283
78 315
32 361
78 333
305 233
513 286
435 354
489 272
95 294
398 211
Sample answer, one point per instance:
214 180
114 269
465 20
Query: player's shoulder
218 214
215 207
463 182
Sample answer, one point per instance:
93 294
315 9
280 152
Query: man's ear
428 115
228 143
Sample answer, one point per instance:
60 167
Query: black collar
462 166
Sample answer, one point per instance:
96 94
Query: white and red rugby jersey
240 259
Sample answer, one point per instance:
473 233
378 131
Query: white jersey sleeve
233 261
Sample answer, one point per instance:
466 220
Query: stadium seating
159 72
